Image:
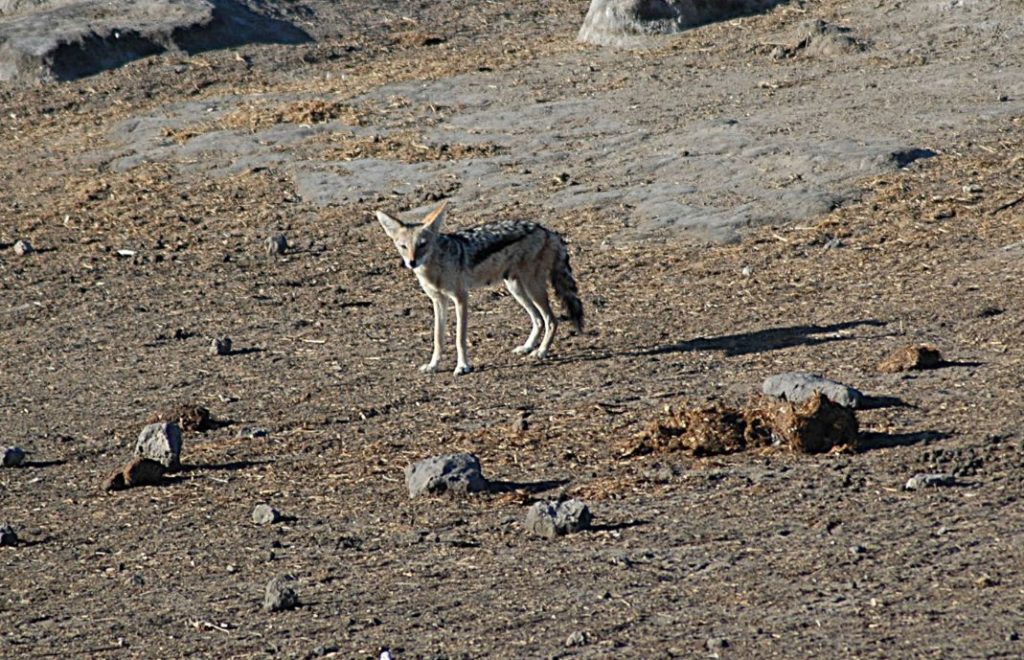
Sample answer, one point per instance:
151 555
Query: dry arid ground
765 553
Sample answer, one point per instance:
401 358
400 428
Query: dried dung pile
911 357
703 429
817 425
188 417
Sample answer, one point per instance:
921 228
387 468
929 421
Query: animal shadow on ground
230 467
244 351
614 527
869 441
744 343
760 341
876 402
531 487
42 464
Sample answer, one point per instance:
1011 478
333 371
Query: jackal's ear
390 225
436 217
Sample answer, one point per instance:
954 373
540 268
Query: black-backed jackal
523 254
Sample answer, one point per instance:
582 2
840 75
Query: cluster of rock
460 474
157 452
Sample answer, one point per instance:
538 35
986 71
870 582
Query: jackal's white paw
522 350
462 369
429 368
540 354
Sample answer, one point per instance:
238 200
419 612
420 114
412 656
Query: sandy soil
191 163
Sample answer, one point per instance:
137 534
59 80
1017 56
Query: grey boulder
551 519
161 443
264 514
797 387
924 480
453 473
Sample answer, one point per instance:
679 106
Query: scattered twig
1007 205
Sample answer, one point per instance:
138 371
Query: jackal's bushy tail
565 287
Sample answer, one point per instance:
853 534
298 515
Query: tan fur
523 254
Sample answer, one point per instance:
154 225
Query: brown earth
780 554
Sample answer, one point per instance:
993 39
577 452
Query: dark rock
280 595
13 457
551 519
7 536
220 346
251 432
277 244
453 473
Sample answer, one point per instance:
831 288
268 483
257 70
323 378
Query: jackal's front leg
440 321
461 312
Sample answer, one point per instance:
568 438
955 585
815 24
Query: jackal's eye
421 242
403 246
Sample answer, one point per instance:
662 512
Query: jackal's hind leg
538 293
519 293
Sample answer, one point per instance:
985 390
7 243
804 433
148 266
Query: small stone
858 549
7 536
578 638
716 643
220 346
252 432
1012 636
280 595
746 272
551 519
797 387
834 244
453 473
925 480
13 457
264 514
572 516
277 244
21 248
161 443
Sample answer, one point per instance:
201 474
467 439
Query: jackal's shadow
762 341
744 343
